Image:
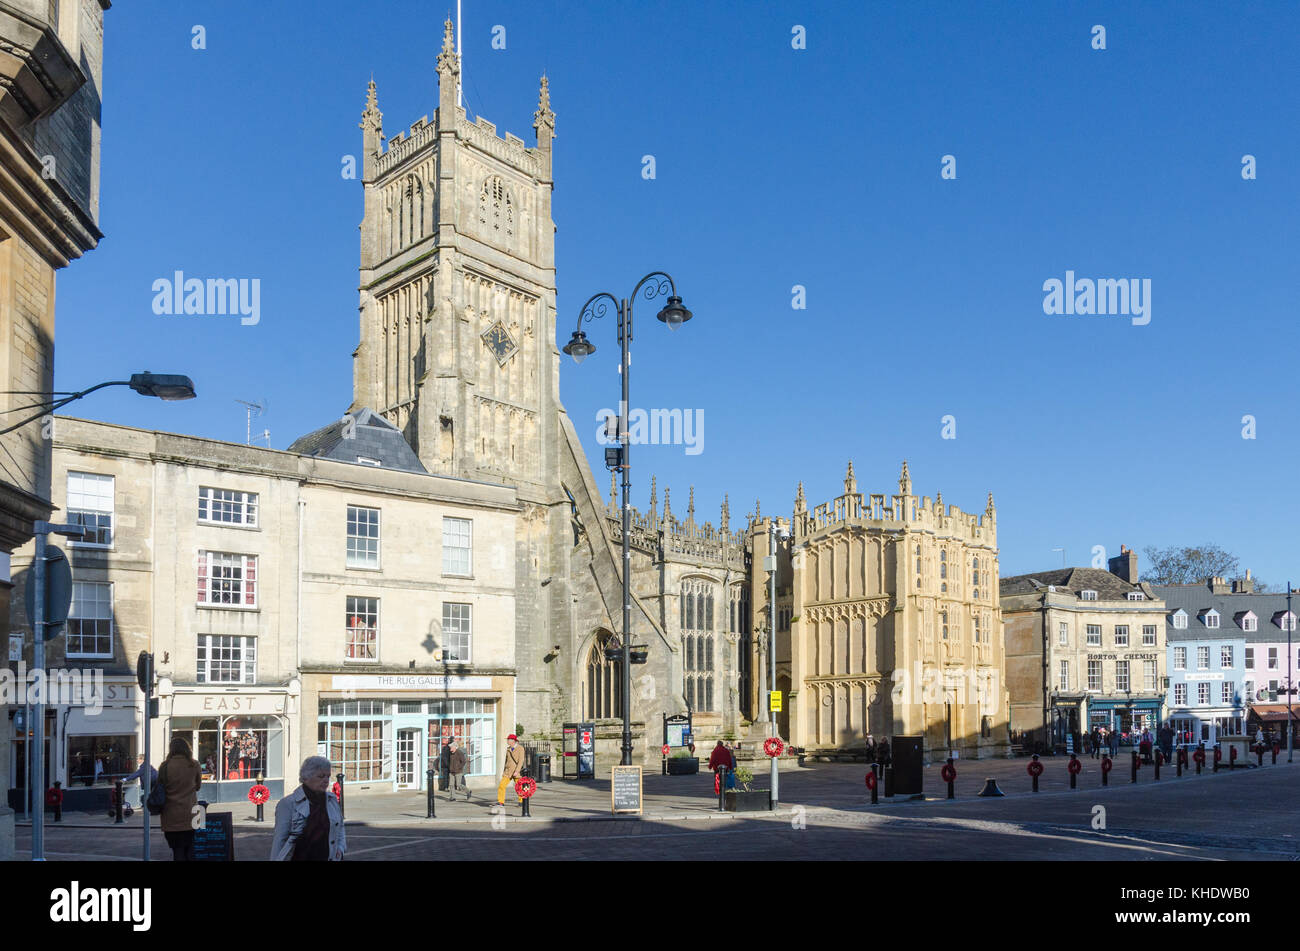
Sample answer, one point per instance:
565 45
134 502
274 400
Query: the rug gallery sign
408 682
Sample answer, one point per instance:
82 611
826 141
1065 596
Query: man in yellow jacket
513 768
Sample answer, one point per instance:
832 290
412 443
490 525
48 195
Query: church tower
457 349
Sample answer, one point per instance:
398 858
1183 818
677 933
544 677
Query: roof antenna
251 410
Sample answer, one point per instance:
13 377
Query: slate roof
1109 587
1196 599
373 437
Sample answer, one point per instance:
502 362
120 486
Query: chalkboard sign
215 842
625 789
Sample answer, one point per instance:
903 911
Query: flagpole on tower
460 52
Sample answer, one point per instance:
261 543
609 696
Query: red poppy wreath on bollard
665 749
1075 766
949 772
1199 756
773 746
53 797
259 795
525 787
871 780
1035 768
1107 764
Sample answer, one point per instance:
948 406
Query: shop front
91 741
1127 716
384 732
238 736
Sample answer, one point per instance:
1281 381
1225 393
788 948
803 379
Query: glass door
408 759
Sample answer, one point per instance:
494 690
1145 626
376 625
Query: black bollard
875 785
1181 757
1033 773
889 781
431 788
1259 753
1275 752
58 799
117 803
342 812
260 779
722 788
1159 757
1134 768
953 773
1073 769
1106 765
523 803
1200 760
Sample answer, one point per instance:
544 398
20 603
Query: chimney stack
1244 585
1124 565
1218 586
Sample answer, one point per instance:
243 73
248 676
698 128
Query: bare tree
1191 565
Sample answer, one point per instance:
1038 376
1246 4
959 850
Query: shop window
99 760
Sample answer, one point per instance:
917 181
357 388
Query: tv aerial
252 409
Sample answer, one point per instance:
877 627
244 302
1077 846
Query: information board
676 734
215 842
625 789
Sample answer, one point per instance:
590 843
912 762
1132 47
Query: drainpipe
297 645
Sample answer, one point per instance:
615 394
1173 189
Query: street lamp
773 534
653 285
1290 682
163 386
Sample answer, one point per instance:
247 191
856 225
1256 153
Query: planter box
683 766
757 800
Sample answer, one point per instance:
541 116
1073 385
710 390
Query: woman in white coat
309 821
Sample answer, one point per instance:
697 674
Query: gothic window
697 640
975 572
943 619
604 681
943 565
496 210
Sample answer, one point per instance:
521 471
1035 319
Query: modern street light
655 284
163 386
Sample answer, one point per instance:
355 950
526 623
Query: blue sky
774 167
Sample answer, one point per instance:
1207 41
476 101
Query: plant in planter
744 776
682 763
746 799
639 653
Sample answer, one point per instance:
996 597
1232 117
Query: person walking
456 767
309 821
513 768
134 796
1112 740
871 749
883 755
181 778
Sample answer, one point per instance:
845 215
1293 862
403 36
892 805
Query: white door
407 775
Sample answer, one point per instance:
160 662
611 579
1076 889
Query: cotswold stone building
1085 648
895 626
334 598
50 94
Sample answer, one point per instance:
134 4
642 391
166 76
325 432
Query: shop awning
1269 712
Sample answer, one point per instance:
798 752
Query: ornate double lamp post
654 284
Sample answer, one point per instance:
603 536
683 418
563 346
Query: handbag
157 794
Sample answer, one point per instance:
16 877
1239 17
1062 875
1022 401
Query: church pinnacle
372 120
544 118
850 481
905 481
800 502
448 59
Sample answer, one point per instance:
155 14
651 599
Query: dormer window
1179 619
1248 621
1284 620
1088 595
1136 596
1210 618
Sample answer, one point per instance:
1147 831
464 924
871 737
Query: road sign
58 592
774 701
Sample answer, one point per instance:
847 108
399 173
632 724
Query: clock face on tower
498 341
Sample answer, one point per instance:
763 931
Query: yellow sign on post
774 701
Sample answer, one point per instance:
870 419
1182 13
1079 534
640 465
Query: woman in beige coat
181 776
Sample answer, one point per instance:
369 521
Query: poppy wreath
1199 756
1107 764
525 787
1218 754
773 746
665 749
337 790
871 779
53 797
259 795
949 772
1035 769
1074 767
